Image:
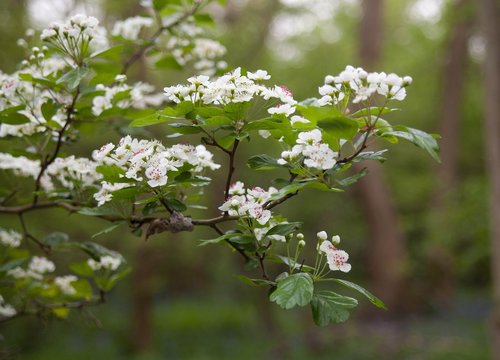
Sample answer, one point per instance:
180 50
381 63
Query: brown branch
49 160
152 40
231 168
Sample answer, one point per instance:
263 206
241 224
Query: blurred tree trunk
142 299
454 69
490 20
386 244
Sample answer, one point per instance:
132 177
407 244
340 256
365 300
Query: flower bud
407 80
335 240
322 235
301 244
300 236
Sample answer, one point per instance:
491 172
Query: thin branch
50 159
240 251
152 40
231 168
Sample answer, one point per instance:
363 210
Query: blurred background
417 231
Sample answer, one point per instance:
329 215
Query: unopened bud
301 243
407 80
300 236
322 235
335 240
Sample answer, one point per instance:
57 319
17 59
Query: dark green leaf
352 179
262 162
168 62
417 137
329 307
55 239
254 282
284 229
108 229
373 299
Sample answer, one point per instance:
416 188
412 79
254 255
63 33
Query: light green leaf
262 162
294 290
73 77
417 137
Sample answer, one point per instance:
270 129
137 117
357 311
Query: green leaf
128 192
112 173
262 162
330 307
296 289
290 262
417 137
284 229
218 121
373 299
168 62
352 179
254 282
114 53
97 251
11 265
82 268
108 229
49 109
55 239
73 77
209 111
186 129
83 289
219 239
374 111
339 127
148 120
315 113
12 117
184 108
113 280
371 155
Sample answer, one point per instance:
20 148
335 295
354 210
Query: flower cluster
36 268
232 88
10 238
130 28
123 96
64 284
336 258
106 262
150 161
362 85
187 46
6 310
248 202
69 171
311 151
76 37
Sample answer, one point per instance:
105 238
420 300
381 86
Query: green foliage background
200 311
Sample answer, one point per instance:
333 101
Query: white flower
41 265
6 310
309 137
107 262
237 188
130 28
10 238
64 284
337 259
298 119
259 75
285 109
322 235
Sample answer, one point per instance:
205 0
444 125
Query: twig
152 40
231 168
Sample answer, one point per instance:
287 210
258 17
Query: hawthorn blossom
310 150
337 259
64 284
106 262
361 85
6 310
10 238
130 28
248 202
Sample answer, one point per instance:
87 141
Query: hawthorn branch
231 168
50 159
